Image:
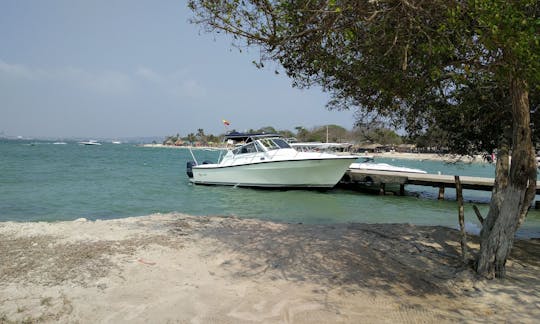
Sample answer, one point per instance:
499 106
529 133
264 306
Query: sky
128 68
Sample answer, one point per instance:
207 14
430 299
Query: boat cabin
254 143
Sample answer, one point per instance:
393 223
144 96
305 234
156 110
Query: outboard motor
189 168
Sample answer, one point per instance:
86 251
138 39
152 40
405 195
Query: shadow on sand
397 259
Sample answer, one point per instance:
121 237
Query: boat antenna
326 133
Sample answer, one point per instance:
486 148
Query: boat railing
193 156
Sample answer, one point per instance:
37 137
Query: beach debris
143 261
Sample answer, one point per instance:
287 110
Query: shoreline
176 268
448 158
212 148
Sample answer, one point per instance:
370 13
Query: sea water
40 181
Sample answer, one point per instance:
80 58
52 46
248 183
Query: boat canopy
248 137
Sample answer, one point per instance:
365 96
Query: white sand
179 268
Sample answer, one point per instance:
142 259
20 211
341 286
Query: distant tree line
372 133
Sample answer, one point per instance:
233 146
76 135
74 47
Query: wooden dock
382 178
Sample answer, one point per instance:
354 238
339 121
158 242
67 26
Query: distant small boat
90 142
116 142
59 143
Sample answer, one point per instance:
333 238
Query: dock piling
441 193
461 217
382 189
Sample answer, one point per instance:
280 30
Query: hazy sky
120 68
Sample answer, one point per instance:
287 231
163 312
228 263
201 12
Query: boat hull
383 167
313 173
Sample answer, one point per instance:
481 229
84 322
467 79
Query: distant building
370 147
406 148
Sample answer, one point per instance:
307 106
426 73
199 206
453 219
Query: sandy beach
175 268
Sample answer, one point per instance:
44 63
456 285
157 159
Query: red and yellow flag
226 122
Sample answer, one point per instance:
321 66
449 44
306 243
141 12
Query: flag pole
226 124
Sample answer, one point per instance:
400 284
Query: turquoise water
64 182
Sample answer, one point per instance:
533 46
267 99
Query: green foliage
213 139
286 133
413 64
201 136
497 41
336 133
301 134
375 133
267 130
434 139
191 137
171 140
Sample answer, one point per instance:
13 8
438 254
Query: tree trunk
514 190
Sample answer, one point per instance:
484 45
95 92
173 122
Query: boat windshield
281 143
274 143
248 148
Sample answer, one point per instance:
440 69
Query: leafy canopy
417 64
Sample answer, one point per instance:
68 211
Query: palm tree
191 138
201 135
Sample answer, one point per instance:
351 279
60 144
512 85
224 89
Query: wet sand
180 268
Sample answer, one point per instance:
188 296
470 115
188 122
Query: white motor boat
368 164
90 142
267 160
